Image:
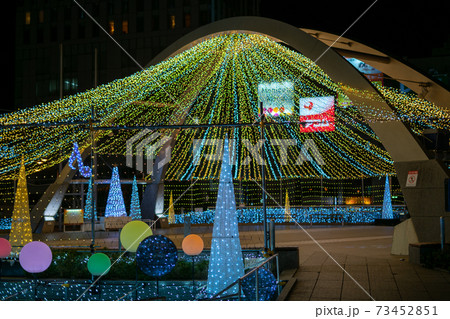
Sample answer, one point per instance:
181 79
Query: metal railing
238 282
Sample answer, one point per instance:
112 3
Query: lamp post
192 246
263 178
93 166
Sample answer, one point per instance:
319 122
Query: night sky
403 29
400 28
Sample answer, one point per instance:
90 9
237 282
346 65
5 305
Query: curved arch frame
403 148
389 65
395 137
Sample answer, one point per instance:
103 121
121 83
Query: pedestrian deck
365 278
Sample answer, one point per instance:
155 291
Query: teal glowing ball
267 285
156 255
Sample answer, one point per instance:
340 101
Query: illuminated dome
216 83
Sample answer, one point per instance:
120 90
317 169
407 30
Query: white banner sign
277 98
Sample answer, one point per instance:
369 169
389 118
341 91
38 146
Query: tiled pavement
364 253
383 279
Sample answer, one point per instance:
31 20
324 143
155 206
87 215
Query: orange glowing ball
192 245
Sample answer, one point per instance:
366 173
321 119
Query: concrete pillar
153 200
426 200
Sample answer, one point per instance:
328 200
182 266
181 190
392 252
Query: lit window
111 27
172 21
125 26
41 16
187 20
70 84
27 17
53 86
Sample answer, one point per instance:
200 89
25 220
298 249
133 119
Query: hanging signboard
372 74
73 216
316 114
277 98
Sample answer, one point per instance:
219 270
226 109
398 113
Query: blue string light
85 171
302 215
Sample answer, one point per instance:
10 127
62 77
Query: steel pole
193 275
263 179
92 187
256 285
272 234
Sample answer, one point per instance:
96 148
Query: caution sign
411 180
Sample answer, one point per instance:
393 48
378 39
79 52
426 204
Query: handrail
238 281
15 294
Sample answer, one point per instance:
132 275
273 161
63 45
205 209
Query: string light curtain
215 82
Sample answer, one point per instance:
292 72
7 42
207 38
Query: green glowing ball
99 264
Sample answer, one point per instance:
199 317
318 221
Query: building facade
83 43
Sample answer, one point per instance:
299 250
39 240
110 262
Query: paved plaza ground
362 251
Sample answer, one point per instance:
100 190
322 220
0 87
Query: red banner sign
317 114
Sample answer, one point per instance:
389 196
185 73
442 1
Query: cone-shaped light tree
115 205
89 203
287 209
21 233
135 207
225 264
387 212
171 218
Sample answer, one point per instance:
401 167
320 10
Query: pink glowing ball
35 257
5 248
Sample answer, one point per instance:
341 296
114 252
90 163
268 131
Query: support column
426 200
153 200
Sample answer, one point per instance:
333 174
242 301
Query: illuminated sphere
192 245
156 255
99 264
35 257
133 233
267 285
5 248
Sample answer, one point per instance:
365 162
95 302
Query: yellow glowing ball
133 233
192 245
